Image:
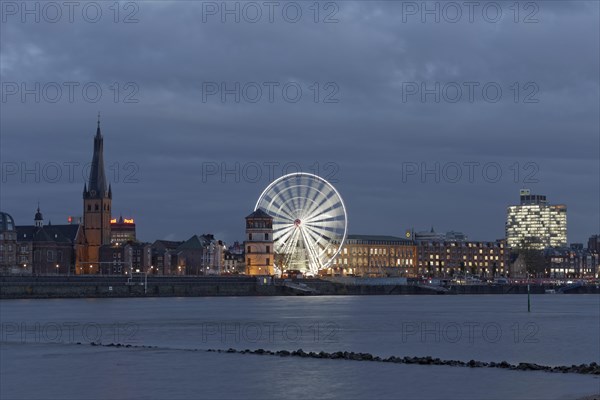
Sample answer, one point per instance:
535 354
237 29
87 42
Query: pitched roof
166 244
260 213
195 242
378 238
51 233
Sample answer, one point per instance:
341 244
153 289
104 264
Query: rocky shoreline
587 369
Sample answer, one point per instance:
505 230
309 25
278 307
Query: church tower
97 201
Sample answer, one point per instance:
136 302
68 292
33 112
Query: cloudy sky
418 118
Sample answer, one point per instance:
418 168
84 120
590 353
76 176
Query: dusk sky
362 120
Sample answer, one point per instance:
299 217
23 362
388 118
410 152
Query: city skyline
370 128
229 237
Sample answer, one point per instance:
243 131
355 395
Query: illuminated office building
536 224
122 230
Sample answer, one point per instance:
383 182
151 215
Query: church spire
97 181
98 128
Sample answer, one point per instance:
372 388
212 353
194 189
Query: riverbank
118 286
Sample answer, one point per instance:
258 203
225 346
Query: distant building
594 243
234 263
433 236
131 257
201 255
122 230
535 224
428 236
75 220
165 257
564 262
449 259
236 248
49 249
8 247
259 244
374 255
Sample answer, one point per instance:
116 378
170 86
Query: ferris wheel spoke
315 263
291 242
285 236
319 242
316 202
318 208
325 217
318 192
319 237
281 214
278 200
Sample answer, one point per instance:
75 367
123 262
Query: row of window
97 207
267 250
266 236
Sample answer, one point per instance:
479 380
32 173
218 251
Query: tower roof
97 181
260 213
38 215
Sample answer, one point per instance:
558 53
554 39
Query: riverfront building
48 249
259 244
456 258
374 255
535 224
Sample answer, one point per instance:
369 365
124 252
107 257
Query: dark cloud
369 135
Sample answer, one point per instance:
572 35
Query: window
96 207
59 255
249 236
268 251
266 236
249 263
268 261
89 208
249 250
50 255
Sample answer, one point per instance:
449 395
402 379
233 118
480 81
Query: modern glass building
536 224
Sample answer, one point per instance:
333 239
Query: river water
40 357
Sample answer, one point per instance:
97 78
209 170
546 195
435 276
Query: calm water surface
39 357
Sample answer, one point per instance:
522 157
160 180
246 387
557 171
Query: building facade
126 259
165 257
374 255
455 259
536 224
259 244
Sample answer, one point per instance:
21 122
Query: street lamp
57 269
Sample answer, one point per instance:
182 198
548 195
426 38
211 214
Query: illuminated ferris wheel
309 222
